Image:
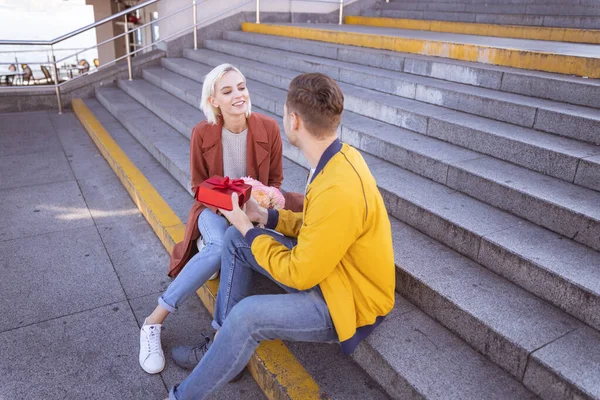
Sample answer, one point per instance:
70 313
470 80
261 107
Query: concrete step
539 2
573 35
561 88
533 316
166 145
469 225
539 114
345 381
505 323
490 8
559 21
524 193
564 58
415 364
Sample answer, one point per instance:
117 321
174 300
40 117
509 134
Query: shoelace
201 347
153 340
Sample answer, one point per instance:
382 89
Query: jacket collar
328 154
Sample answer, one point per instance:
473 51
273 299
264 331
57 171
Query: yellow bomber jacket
344 245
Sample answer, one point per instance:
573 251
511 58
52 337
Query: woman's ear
213 102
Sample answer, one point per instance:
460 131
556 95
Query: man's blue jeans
200 267
246 321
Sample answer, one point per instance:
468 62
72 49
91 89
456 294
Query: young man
335 261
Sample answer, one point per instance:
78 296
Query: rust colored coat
263 162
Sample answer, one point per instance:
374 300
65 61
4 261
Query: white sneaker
152 358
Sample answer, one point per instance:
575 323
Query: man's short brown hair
319 102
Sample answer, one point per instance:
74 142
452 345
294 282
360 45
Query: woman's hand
237 216
256 212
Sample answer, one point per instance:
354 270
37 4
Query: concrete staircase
584 14
491 176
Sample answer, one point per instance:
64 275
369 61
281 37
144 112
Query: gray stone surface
411 151
541 152
91 355
34 169
414 357
61 273
532 83
581 22
559 206
107 204
450 217
562 21
567 368
506 107
554 87
581 124
171 191
169 147
560 48
27 133
83 155
176 113
505 326
588 173
35 210
548 265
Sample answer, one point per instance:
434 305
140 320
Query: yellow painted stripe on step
572 35
275 369
530 60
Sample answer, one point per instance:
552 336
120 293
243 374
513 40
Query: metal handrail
154 21
80 30
57 85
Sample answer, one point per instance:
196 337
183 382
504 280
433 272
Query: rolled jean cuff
215 325
163 304
172 393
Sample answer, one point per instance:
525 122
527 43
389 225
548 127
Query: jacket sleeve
330 227
276 153
198 169
289 223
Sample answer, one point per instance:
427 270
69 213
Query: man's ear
295 121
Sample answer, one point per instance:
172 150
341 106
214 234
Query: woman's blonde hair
208 90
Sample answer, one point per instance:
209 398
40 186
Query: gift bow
237 185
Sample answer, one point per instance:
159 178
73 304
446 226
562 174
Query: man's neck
313 150
235 124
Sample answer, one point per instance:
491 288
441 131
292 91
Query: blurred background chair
85 65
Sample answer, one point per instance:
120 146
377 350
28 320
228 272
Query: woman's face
231 95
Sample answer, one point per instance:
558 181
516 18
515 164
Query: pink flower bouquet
266 196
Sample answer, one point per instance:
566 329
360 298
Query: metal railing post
55 73
195 25
341 12
258 11
127 48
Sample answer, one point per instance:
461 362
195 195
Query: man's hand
237 216
255 212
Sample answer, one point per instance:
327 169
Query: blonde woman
233 142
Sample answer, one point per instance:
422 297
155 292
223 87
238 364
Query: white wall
212 10
45 20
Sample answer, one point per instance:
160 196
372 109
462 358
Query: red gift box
216 192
